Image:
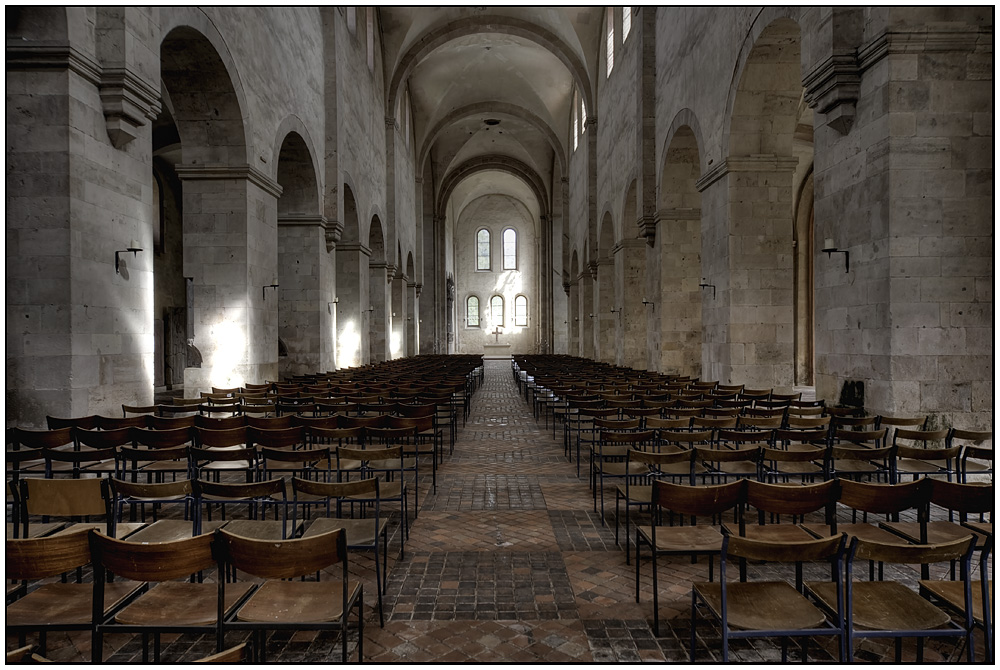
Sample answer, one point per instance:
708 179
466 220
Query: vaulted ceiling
490 88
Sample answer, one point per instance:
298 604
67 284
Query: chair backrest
759 422
715 423
906 437
229 437
808 422
913 422
781 499
276 438
698 500
116 422
223 423
152 561
103 439
41 439
912 554
868 438
178 490
738 437
284 459
170 422
973 498
64 497
38 558
88 422
883 498
786 437
271 422
282 559
162 439
686 438
363 488
271 490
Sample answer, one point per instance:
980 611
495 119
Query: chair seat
852 465
122 530
937 531
162 466
865 531
360 532
684 539
171 530
66 604
762 605
636 495
772 532
953 593
793 468
261 529
984 527
885 606
37 529
919 466
181 604
392 464
735 468
346 464
297 602
621 469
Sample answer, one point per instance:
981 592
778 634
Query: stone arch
352 222
207 96
679 237
506 164
305 147
376 240
629 209
491 107
491 23
296 173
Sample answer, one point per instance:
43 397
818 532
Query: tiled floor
509 563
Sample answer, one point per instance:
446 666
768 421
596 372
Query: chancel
735 247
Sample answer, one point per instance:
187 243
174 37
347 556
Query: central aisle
508 562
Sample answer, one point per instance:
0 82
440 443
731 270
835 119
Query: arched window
370 26
576 125
483 249
611 39
520 311
510 249
496 310
352 19
472 312
626 22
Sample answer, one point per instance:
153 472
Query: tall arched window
626 22
483 249
576 125
370 26
510 249
472 312
496 310
520 311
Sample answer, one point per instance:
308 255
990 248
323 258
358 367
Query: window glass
483 250
510 249
496 310
472 311
611 39
520 311
626 22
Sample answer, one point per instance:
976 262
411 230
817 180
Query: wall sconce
133 247
371 308
830 249
263 291
593 316
704 285
333 302
647 302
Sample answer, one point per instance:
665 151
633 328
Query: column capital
233 172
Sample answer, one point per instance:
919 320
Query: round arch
505 164
293 124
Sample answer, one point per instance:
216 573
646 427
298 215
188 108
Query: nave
508 562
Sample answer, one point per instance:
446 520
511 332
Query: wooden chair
156 453
115 422
257 496
915 458
312 464
775 500
951 594
608 459
890 609
172 602
86 422
56 606
318 605
977 455
14 530
32 443
638 491
692 540
861 453
387 464
138 409
74 500
772 608
137 496
363 534
963 499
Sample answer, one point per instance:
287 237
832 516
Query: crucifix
496 334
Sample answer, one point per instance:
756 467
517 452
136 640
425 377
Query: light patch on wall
508 284
230 345
349 346
395 343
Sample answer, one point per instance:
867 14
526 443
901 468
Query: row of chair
881 543
146 598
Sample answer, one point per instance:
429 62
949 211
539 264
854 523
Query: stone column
680 296
397 316
378 286
606 322
306 313
412 318
574 318
231 255
586 284
630 266
353 317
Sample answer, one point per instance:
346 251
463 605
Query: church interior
591 242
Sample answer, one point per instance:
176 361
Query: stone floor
508 562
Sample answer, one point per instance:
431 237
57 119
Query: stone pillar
412 318
353 317
306 313
587 317
79 335
911 323
397 316
231 255
630 267
378 297
680 296
606 322
574 318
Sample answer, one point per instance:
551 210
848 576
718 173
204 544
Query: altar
496 351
